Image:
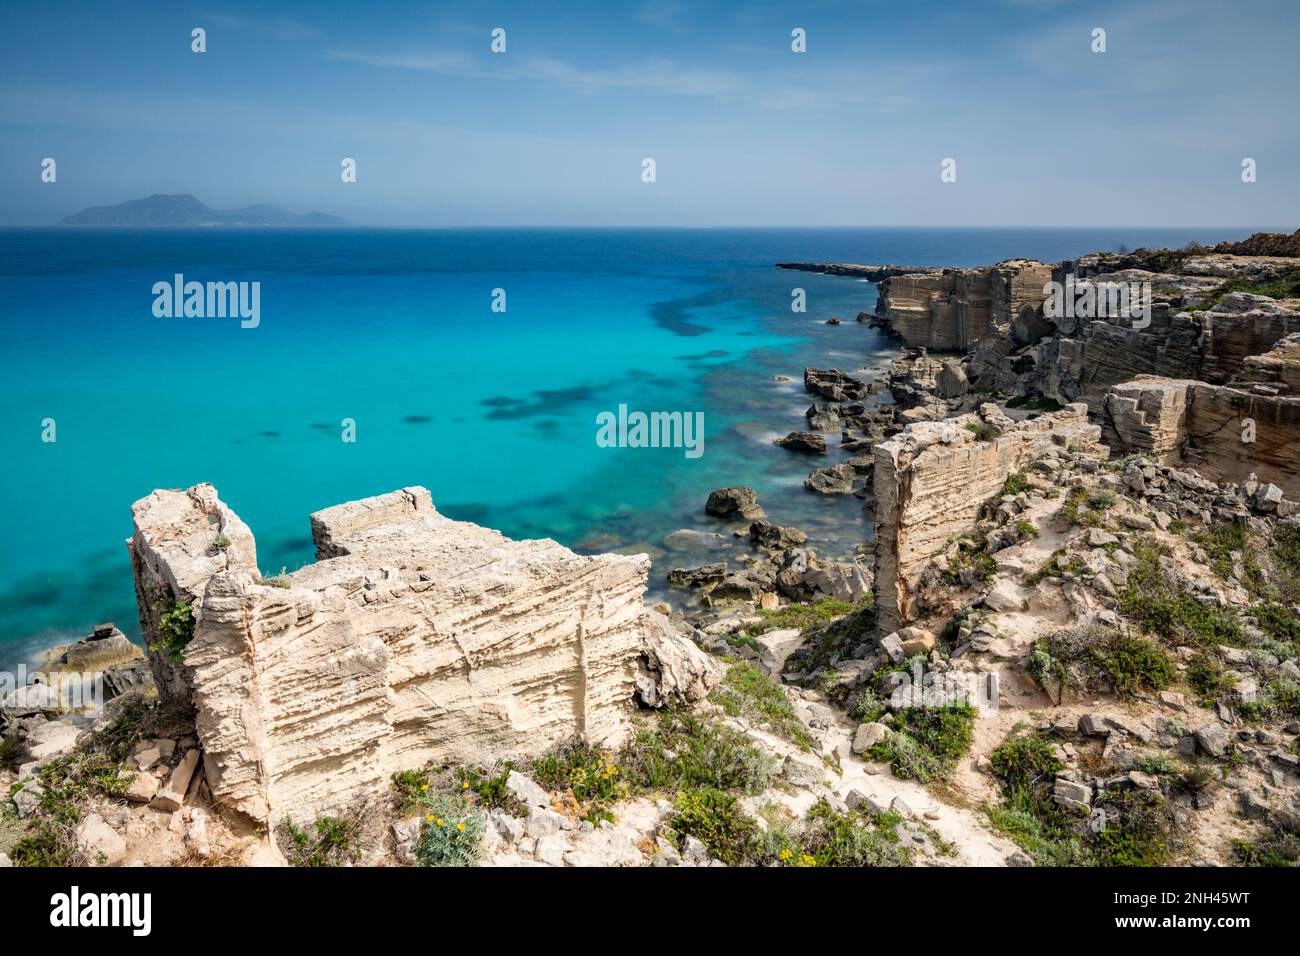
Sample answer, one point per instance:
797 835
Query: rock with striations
413 639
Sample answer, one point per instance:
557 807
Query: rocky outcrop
852 270
953 309
414 638
932 479
1224 432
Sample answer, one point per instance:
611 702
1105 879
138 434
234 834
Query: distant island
185 211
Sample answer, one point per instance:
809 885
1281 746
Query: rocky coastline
1071 635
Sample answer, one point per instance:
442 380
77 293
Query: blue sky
743 131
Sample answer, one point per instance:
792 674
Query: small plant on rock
451 833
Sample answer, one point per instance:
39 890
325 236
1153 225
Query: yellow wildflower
460 826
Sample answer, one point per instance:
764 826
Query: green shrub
715 818
1016 483
748 692
1084 656
486 786
1210 679
1040 829
831 838
1026 762
451 833
175 629
1285 286
1139 829
1087 506
1158 605
94 769
329 845
926 742
683 751
801 616
411 786
592 775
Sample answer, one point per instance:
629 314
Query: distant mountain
183 211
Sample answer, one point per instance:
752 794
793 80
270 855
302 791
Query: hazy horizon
744 131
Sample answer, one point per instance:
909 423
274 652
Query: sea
474 362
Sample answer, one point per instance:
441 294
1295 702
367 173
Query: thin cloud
276 28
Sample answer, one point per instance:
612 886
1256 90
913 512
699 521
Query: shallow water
494 412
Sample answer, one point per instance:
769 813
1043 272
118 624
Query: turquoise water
493 412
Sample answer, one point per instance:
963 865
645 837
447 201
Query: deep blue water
493 412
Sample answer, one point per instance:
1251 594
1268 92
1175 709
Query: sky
742 129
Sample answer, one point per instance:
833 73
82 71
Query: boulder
809 443
1003 597
803 773
868 735
734 502
527 792
832 480
775 537
916 640
99 842
31 700
103 647
172 795
672 668
1213 740
698 576
1069 794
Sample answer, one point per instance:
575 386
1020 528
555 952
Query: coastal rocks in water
737 502
824 418
802 578
833 384
698 576
102 648
412 639
688 539
832 480
809 443
843 582
775 537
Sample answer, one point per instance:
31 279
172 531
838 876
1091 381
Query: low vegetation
746 691
72 781
328 842
1137 826
175 628
1088 506
925 743
1092 655
1285 286
825 837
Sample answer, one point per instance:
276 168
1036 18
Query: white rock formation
414 638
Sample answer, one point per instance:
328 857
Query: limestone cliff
933 478
953 309
414 638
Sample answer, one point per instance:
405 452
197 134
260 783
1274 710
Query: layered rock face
414 638
932 479
953 309
1226 432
